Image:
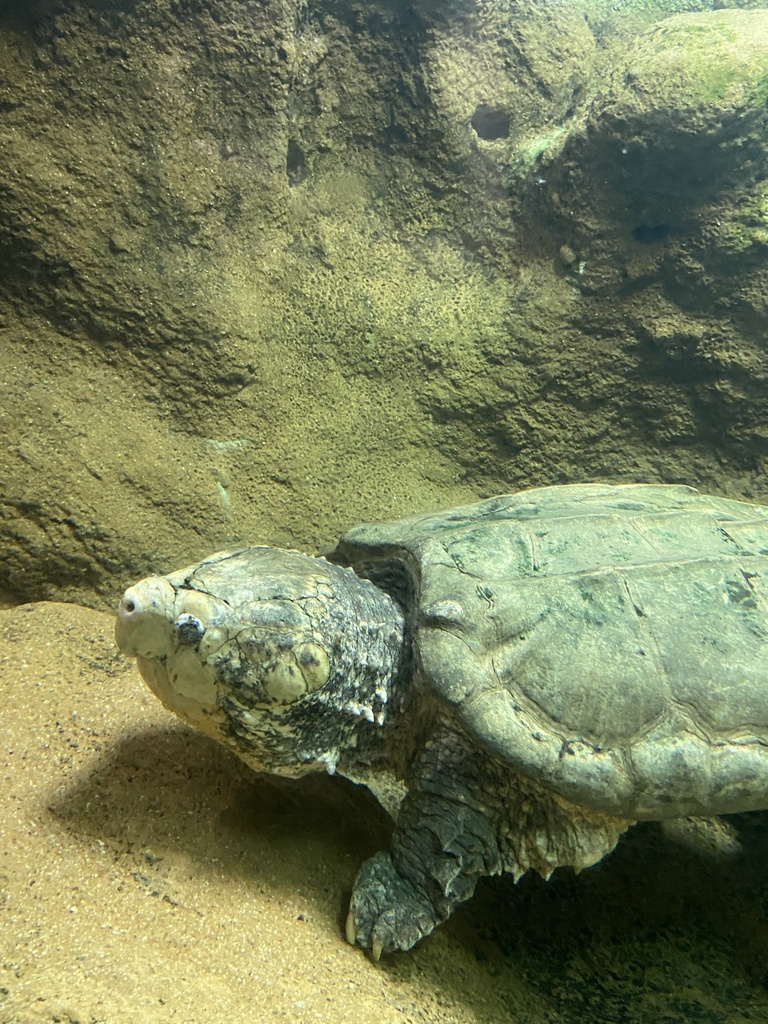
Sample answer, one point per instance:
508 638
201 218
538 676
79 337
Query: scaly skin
465 816
444 842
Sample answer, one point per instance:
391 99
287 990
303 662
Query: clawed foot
387 912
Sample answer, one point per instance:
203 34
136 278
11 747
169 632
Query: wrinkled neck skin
301 668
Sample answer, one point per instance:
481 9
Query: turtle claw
387 912
349 928
351 932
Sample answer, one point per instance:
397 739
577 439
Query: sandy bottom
147 876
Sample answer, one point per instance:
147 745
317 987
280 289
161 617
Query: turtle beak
144 618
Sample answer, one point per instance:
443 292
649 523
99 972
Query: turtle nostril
142 628
129 606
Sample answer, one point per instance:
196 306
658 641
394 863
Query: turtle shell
609 642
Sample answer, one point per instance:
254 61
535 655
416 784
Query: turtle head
281 656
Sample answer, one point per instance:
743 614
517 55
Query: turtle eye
189 629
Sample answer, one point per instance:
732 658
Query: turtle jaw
155 627
194 702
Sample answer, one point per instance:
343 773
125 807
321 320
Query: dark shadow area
146 789
649 234
491 122
30 15
37 16
662 930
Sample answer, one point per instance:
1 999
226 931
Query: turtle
538 671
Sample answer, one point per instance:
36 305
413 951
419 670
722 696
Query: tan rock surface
274 269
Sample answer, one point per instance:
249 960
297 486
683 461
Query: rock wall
273 268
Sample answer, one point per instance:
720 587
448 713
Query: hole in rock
490 122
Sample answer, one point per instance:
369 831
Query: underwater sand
147 875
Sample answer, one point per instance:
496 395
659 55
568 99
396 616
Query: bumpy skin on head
291 661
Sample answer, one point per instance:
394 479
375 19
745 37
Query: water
272 269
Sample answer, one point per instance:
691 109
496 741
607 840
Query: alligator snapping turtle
541 669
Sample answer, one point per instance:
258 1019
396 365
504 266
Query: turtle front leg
443 843
387 911
466 815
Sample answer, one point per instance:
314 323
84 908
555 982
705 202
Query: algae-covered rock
272 269
511 70
680 124
201 347
691 75
658 200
